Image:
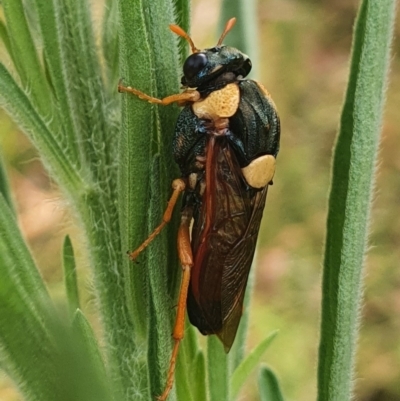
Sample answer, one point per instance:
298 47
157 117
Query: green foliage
4 184
218 383
350 198
269 386
70 276
40 353
110 154
243 371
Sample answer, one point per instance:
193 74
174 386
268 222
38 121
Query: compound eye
194 64
246 67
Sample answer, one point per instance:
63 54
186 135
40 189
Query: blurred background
304 59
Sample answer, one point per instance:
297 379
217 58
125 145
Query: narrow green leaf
79 371
27 359
4 185
244 370
148 61
192 346
47 362
123 352
268 385
70 276
184 389
350 198
20 267
190 365
25 57
50 28
157 359
5 39
17 104
86 90
159 338
85 333
134 151
218 370
24 308
200 384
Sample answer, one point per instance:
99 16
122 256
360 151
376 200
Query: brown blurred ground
304 48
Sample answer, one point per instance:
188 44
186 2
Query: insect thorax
222 103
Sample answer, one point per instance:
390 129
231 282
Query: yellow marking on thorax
221 103
260 171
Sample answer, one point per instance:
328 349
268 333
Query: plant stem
350 198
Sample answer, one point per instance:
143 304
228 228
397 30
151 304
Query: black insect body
226 141
216 140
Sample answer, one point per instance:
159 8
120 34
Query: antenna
180 32
229 25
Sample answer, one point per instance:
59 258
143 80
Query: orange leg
178 186
186 259
180 98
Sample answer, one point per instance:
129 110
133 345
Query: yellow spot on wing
260 171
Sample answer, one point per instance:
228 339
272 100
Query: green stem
350 198
146 172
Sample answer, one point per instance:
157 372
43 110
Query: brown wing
224 237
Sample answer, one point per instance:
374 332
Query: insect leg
178 186
187 96
186 259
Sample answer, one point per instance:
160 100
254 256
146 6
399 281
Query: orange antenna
180 32
229 25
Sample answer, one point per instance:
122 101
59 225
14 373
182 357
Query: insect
226 141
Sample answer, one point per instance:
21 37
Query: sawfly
225 144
